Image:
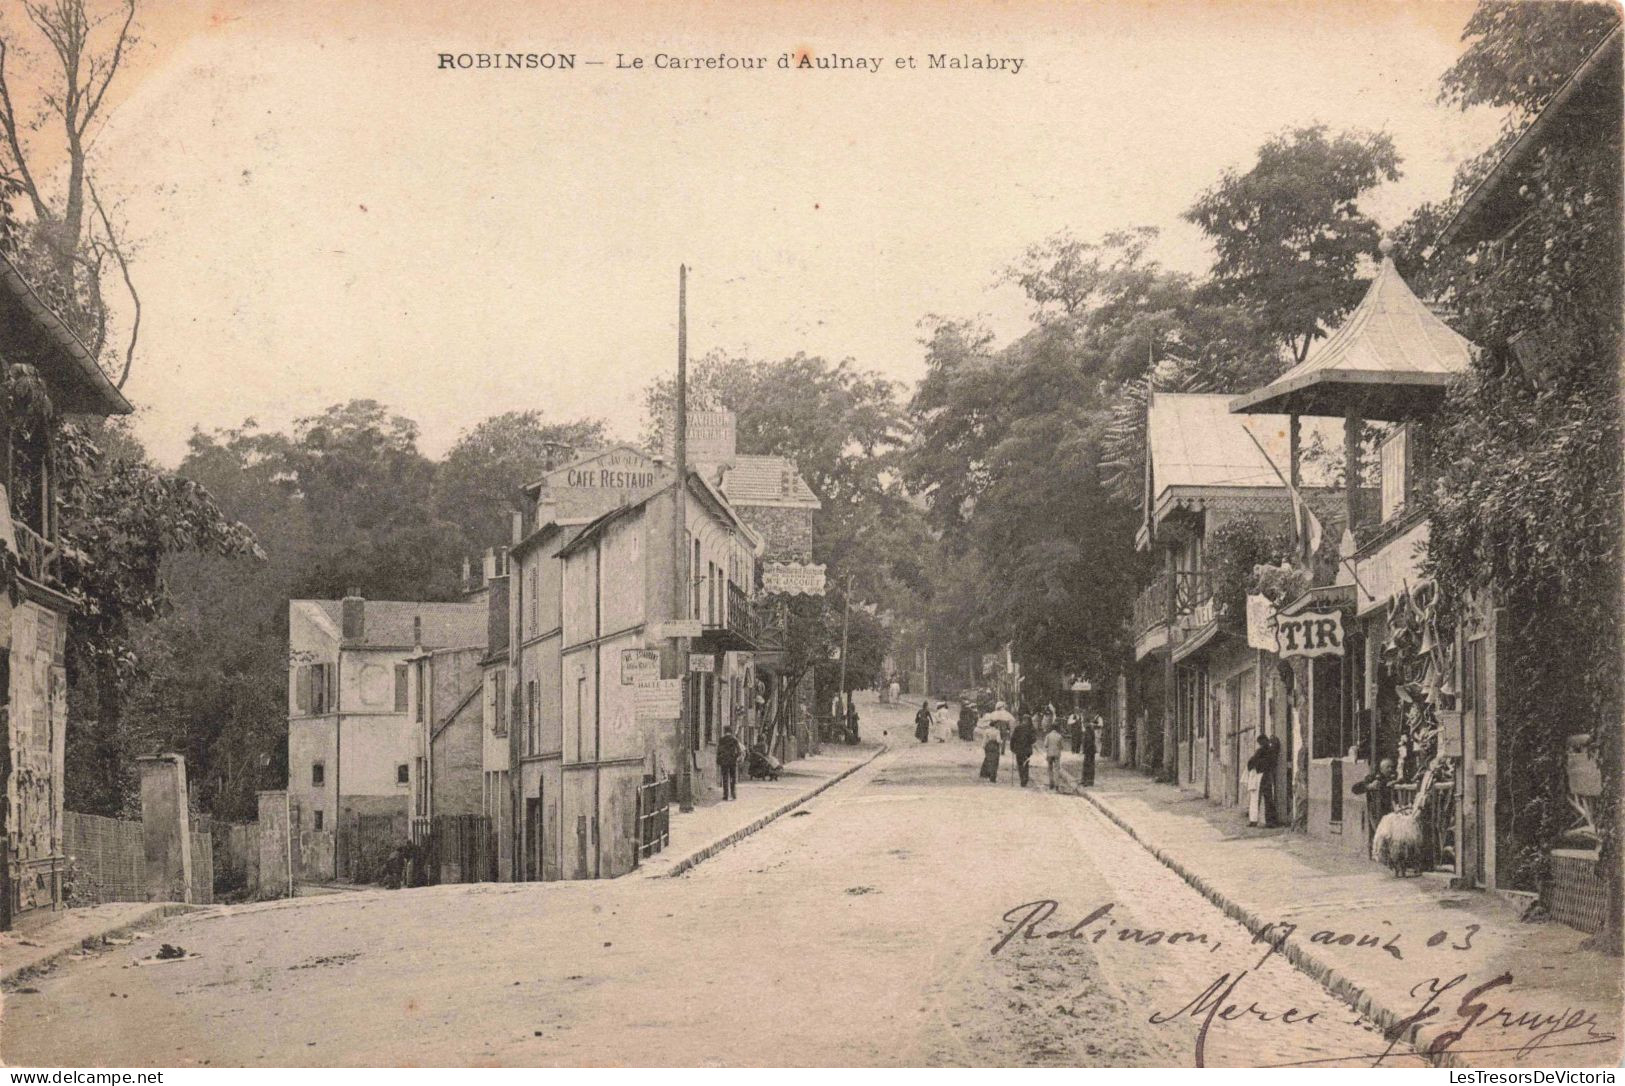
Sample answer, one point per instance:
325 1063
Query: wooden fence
654 817
456 848
107 860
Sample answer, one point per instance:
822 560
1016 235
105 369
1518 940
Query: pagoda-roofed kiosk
1387 366
1389 362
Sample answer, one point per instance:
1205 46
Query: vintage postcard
752 534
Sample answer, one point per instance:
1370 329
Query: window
499 703
316 820
403 774
400 688
694 580
314 689
318 774
581 712
417 678
532 727
533 613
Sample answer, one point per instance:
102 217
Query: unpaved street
858 932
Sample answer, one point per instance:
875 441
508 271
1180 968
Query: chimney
518 526
353 609
467 574
417 632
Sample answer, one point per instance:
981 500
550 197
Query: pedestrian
1266 791
728 763
1090 740
942 725
851 719
922 722
1054 743
1256 766
896 692
1378 790
1074 731
992 747
967 722
1022 741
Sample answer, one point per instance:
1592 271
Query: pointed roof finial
1385 246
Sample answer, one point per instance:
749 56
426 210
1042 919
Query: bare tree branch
117 249
8 122
111 68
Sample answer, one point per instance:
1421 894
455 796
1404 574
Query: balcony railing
36 555
1191 589
1151 608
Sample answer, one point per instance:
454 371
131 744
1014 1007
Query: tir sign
1310 634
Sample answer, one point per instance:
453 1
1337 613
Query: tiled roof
1195 441
766 480
389 623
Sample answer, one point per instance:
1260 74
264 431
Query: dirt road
858 931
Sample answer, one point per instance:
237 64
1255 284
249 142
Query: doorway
533 836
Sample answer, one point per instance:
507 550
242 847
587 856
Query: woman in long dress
941 724
992 747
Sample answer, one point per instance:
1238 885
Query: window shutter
400 688
301 688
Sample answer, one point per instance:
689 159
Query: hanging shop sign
705 662
793 578
638 665
676 627
1311 633
1260 623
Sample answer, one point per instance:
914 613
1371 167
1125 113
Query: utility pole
680 573
846 617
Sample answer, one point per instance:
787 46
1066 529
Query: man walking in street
1054 743
728 763
1022 741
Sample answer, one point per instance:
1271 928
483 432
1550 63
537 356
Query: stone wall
787 533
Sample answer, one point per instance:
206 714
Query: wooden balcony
36 555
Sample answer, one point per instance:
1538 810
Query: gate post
166 828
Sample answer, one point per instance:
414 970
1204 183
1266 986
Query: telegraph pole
846 617
680 574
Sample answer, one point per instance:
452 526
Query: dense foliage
1535 428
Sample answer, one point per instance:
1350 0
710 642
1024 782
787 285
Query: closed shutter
301 688
400 688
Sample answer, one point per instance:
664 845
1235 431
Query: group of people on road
930 725
1000 730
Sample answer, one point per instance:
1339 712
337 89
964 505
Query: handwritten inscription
1479 1019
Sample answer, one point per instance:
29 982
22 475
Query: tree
481 478
1289 234
72 240
121 518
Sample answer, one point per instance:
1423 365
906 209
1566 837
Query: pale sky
323 215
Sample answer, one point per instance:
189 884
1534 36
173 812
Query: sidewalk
38 947
705 831
1377 941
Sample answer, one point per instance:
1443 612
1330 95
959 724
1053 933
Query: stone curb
1294 950
161 910
691 860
